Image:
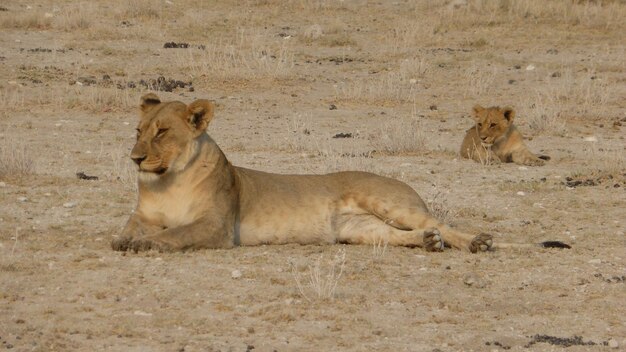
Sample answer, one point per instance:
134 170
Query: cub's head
166 134
493 122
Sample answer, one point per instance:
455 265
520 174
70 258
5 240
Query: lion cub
494 138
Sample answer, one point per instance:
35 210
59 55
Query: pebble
591 139
22 199
235 274
595 261
613 343
530 67
474 281
142 313
70 205
520 193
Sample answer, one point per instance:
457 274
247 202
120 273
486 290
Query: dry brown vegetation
316 86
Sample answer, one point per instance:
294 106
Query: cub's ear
149 101
200 114
476 110
509 114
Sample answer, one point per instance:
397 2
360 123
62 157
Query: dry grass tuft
379 248
322 278
400 137
15 160
140 10
98 99
440 208
592 14
480 80
124 170
584 96
238 61
29 19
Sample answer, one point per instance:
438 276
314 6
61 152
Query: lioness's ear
200 114
509 114
149 101
477 109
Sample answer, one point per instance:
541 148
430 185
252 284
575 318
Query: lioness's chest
173 207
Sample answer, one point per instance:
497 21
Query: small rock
433 107
556 74
236 274
2 184
591 139
142 313
530 67
82 176
613 343
523 168
520 193
70 205
595 261
22 199
87 81
474 281
413 81
332 107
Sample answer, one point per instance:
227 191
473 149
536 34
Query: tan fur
191 197
495 139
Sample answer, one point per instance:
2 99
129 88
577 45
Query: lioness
494 138
191 197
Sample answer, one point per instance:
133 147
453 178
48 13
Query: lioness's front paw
481 243
433 242
148 243
121 244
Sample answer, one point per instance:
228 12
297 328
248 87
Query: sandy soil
287 77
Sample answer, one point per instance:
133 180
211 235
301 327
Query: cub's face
166 133
493 122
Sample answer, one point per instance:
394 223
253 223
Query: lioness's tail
545 244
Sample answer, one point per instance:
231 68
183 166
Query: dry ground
289 75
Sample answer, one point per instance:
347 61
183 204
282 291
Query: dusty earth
398 80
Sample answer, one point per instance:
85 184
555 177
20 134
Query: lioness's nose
138 158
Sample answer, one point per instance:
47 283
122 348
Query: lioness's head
166 133
493 122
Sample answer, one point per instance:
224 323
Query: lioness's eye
161 131
480 124
492 125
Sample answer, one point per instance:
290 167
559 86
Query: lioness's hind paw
433 242
481 243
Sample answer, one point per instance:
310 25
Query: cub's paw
121 243
481 243
433 242
148 243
